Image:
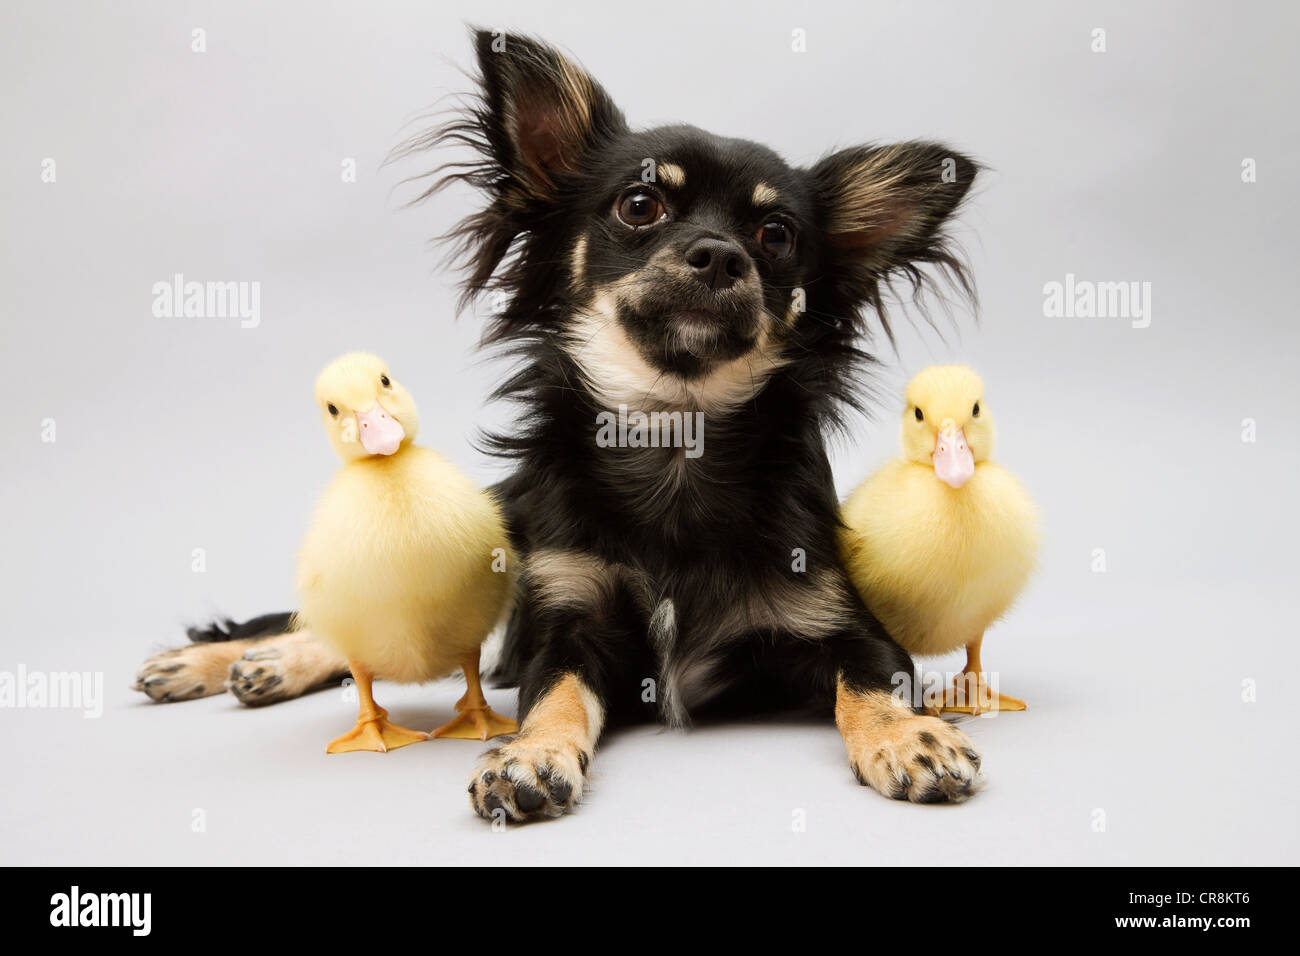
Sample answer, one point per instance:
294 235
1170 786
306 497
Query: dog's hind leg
260 661
284 667
200 668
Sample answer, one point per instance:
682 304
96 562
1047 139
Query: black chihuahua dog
683 286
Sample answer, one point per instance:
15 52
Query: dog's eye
383 380
638 208
332 410
776 239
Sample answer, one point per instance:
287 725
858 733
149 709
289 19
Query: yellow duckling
941 541
404 568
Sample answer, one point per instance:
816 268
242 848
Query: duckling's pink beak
953 462
381 433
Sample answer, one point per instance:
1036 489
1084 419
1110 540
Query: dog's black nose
717 263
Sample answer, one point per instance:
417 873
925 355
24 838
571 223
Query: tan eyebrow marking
579 264
671 175
764 195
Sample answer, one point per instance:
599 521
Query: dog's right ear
536 116
540 113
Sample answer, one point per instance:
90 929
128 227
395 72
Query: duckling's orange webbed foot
971 694
985 705
476 723
375 733
474 719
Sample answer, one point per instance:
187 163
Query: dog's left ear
884 210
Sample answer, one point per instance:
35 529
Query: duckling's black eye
975 412
383 380
919 416
332 410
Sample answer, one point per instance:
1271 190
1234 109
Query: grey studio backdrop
1156 645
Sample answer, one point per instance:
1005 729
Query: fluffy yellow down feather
406 568
939 564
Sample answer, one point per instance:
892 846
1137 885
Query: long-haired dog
687 310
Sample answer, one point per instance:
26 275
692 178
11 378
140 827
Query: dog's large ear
540 113
884 210
536 115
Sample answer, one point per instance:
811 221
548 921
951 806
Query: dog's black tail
267 625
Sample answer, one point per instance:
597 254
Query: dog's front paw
525 780
922 759
902 754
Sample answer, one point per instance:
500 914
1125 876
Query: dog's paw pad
521 780
257 680
924 760
174 676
